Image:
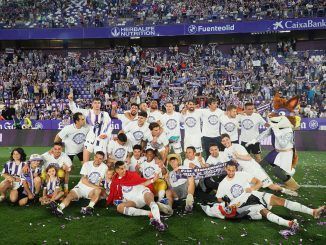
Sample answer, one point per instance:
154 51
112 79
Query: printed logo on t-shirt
171 124
149 172
138 135
229 127
287 138
79 138
173 177
191 122
213 119
126 189
151 119
247 124
236 190
94 177
119 153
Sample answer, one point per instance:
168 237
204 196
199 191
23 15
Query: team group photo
154 122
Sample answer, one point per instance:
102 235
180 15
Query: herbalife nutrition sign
166 30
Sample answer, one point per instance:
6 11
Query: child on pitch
30 184
12 174
153 166
52 190
106 183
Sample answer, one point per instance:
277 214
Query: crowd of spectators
98 13
36 83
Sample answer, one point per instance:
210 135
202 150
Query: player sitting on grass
12 174
179 188
52 190
131 193
238 195
30 184
93 172
61 161
149 168
239 154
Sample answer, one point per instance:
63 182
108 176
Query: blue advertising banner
306 124
166 30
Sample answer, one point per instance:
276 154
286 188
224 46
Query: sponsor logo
290 24
199 29
133 31
313 124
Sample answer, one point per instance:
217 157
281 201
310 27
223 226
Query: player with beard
230 123
154 114
250 122
192 126
238 195
171 125
128 116
100 131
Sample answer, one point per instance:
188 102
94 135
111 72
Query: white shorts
257 171
82 190
135 194
176 146
264 197
284 161
94 145
193 141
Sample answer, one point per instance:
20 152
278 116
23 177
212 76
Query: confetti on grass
287 233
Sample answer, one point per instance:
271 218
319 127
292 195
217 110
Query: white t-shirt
174 181
230 126
186 162
136 133
234 187
149 169
161 142
73 138
134 162
211 122
154 116
57 162
171 124
95 175
125 121
192 125
118 152
222 158
250 126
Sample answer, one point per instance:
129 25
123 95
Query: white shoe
190 200
289 192
165 208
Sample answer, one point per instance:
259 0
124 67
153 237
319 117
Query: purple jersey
13 169
29 178
51 185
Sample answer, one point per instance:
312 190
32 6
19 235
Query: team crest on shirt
236 190
229 127
173 177
119 153
138 135
287 138
79 138
156 145
213 119
191 122
94 177
247 124
148 172
126 189
151 119
171 124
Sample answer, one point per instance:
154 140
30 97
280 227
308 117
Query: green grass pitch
36 225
